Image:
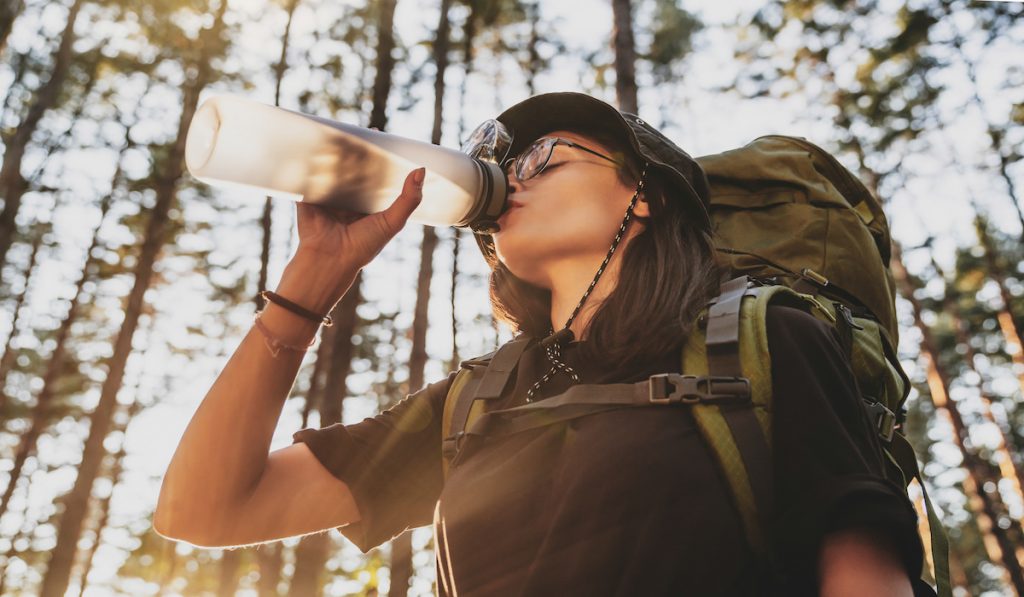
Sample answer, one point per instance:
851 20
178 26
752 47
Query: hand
350 240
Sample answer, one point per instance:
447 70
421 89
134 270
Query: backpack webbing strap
587 399
903 453
456 392
723 333
500 368
738 438
494 380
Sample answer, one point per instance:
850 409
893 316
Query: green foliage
884 74
672 38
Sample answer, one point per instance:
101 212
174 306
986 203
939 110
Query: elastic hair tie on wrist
279 300
274 344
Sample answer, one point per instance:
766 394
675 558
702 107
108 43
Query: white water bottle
239 142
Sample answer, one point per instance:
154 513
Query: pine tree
41 416
401 547
9 11
625 56
311 554
209 45
12 184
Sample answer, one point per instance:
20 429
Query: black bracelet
277 299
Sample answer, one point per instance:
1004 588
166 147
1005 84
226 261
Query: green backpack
792 225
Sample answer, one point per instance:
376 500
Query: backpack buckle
884 419
691 389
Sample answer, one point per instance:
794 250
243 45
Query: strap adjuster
885 420
669 388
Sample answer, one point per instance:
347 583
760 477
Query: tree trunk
116 470
469 29
54 366
230 569
994 538
1011 183
994 134
998 545
19 64
1008 467
270 560
441 46
310 560
23 533
401 547
1007 322
170 556
9 11
385 64
533 62
12 184
7 360
266 220
453 363
316 378
55 580
311 553
625 56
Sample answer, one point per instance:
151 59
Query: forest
125 283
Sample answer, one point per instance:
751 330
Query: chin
522 266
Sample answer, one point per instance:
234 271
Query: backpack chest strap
661 389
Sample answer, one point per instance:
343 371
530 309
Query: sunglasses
532 161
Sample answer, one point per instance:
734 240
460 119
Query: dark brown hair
667 274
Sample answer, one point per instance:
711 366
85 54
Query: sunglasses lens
489 141
533 160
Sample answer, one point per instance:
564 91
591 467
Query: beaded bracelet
279 300
274 344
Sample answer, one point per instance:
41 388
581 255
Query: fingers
398 212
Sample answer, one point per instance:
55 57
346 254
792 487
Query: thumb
399 211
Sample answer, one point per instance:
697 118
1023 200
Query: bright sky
697 120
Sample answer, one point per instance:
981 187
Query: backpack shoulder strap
474 383
735 345
457 393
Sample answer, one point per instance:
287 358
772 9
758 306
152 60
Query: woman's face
568 214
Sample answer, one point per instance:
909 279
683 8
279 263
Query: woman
608 237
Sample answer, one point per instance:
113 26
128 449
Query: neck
571 277
570 280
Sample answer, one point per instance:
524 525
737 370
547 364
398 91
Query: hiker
601 267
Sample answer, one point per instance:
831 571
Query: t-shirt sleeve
391 462
830 470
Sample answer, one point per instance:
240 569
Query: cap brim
540 114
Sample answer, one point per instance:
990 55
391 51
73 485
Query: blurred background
126 284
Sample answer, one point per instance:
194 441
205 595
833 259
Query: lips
511 205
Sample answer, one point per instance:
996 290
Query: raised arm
222 486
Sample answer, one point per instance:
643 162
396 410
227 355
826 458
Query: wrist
314 285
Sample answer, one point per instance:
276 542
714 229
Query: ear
641 207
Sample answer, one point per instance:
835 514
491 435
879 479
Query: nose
514 184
